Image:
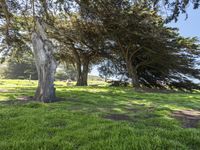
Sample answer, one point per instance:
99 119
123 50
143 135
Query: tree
171 8
45 63
66 71
151 51
87 49
21 69
113 67
176 7
82 45
23 26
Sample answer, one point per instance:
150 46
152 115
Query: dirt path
189 118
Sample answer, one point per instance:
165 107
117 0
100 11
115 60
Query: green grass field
97 118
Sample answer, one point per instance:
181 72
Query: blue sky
189 27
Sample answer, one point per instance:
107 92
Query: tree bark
79 75
82 73
133 75
45 63
135 79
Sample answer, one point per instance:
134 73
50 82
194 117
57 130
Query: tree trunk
79 75
45 63
133 75
82 73
85 72
135 80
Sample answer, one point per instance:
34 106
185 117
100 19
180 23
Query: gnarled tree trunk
45 63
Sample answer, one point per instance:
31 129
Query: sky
189 27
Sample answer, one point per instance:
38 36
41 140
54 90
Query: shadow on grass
113 103
117 97
112 97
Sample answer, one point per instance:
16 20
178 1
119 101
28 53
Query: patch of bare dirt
137 98
13 102
3 91
189 118
19 100
118 117
25 98
133 109
154 90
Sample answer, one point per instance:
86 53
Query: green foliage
113 68
173 8
79 120
149 52
177 7
3 69
21 69
94 78
65 72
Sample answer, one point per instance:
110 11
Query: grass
95 118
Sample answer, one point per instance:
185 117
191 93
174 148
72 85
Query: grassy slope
78 122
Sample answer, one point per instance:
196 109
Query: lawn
97 118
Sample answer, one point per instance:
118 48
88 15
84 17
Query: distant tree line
20 69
